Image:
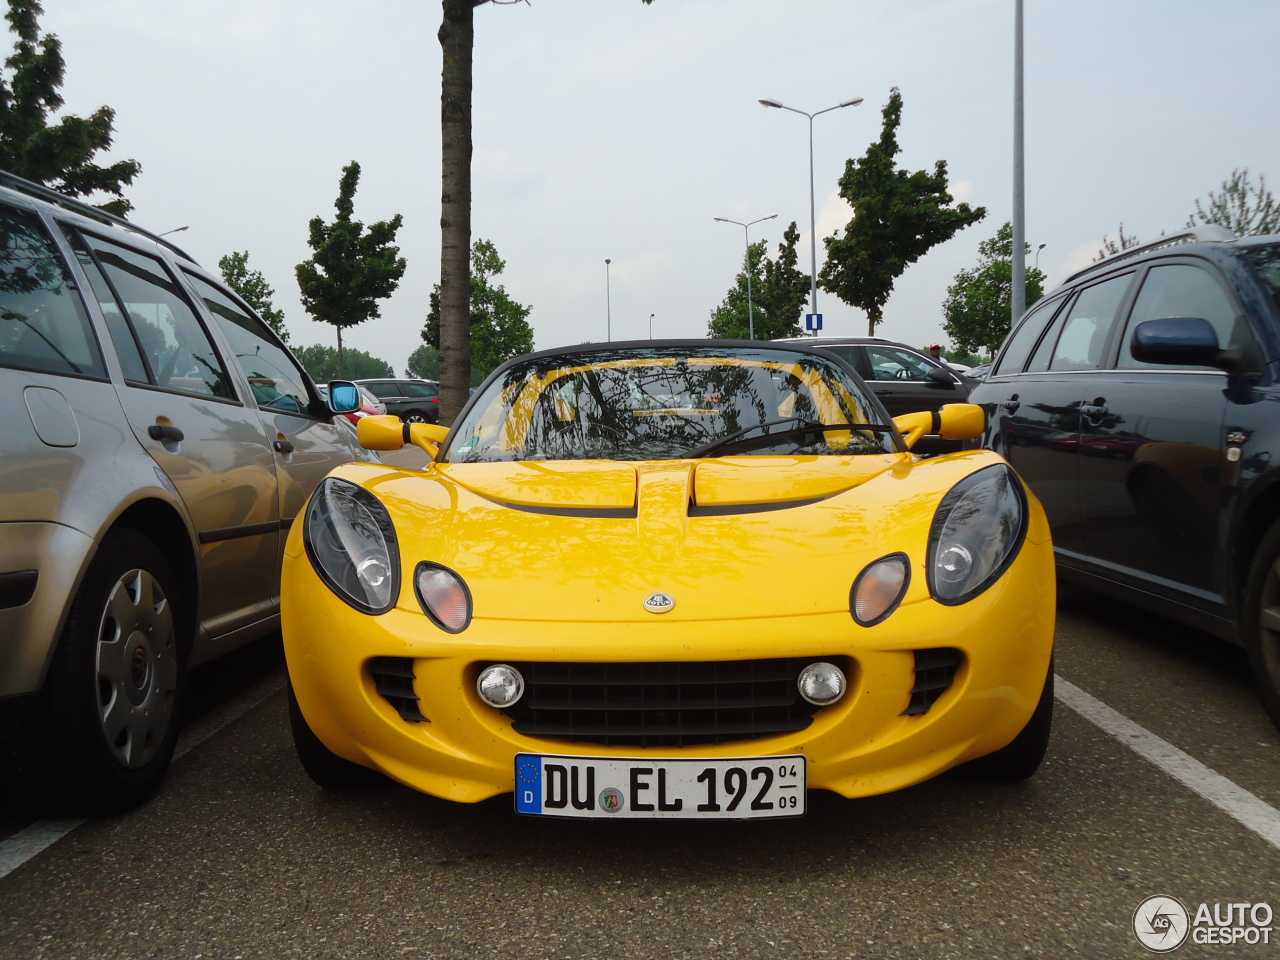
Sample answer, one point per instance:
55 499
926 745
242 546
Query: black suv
413 401
1134 400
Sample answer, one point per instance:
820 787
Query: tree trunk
456 40
339 353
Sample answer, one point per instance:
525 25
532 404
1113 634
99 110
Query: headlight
879 588
976 534
351 542
444 596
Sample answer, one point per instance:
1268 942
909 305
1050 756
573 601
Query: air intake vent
393 677
935 670
663 704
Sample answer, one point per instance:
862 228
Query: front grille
663 704
393 678
935 670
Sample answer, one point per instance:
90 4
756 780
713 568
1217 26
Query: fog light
500 685
822 684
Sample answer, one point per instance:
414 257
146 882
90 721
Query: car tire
1262 621
415 416
106 722
324 767
1023 756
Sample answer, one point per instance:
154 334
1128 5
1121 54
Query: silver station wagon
156 442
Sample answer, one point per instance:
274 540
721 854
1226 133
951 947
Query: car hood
726 538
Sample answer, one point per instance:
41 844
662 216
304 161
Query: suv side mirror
344 396
1185 341
940 377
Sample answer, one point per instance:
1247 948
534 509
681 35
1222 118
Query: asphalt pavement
240 856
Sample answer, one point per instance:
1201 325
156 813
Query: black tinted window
1024 338
1179 290
382 390
43 324
1084 335
419 390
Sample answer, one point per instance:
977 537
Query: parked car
903 378
158 441
1136 401
578 599
413 401
979 372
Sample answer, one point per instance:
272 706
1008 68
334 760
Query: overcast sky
610 129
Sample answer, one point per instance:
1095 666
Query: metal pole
751 316
1019 297
813 234
608 305
651 326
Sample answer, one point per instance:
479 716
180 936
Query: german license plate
659 788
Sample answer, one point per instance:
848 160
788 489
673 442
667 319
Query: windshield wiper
804 426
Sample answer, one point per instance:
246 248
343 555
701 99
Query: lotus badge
659 602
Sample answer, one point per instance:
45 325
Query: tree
456 36
321 363
254 289
1111 247
498 330
351 270
897 217
1245 210
424 363
58 156
778 293
978 305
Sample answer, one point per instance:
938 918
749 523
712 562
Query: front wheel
1262 621
106 722
415 416
1021 758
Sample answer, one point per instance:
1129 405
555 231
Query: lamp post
651 326
1038 249
1019 298
608 305
751 317
813 229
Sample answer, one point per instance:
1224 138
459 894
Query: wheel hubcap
137 668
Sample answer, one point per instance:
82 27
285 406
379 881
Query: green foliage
424 363
58 156
499 328
977 311
253 287
778 293
350 270
1245 210
897 217
321 362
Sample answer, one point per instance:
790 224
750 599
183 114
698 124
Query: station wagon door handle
283 446
1012 404
165 434
1093 410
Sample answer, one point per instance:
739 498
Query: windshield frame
642 349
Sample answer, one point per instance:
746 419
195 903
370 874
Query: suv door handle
164 433
1012 404
1096 409
283 446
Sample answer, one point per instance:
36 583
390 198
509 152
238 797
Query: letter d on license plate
625 787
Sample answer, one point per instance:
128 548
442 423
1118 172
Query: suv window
43 324
419 390
1179 290
887 363
276 381
382 390
1024 338
176 348
1084 334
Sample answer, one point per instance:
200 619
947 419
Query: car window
43 324
847 352
1024 338
274 378
1083 339
127 349
419 390
888 363
382 390
177 350
1179 290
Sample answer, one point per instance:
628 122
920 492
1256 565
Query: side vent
393 678
935 671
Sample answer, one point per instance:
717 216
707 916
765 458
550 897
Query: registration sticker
660 788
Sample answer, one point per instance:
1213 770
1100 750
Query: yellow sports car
690 579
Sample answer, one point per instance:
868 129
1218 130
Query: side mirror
940 377
1185 341
344 396
389 433
955 421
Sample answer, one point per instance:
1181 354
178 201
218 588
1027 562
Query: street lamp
751 317
1038 249
608 305
651 326
813 229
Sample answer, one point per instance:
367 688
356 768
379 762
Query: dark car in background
413 401
904 379
1139 402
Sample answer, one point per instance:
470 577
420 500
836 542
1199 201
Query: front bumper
861 746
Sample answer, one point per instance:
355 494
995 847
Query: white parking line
1232 799
30 842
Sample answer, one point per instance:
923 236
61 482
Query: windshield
655 404
1266 260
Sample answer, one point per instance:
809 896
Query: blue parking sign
813 321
